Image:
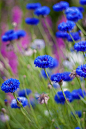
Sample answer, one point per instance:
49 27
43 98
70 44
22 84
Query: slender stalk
72 38
24 112
7 123
78 121
83 31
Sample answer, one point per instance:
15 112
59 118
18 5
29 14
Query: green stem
78 121
72 38
83 31
35 118
24 112
7 123
48 77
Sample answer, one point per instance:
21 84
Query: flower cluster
44 10
81 46
60 34
21 100
24 92
66 26
32 21
12 35
20 33
60 6
73 14
61 76
44 61
59 97
75 36
82 2
10 85
32 6
70 96
9 36
81 71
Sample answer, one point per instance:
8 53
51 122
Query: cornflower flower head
75 35
32 21
59 97
77 93
22 100
80 46
73 14
66 26
44 11
81 9
79 113
60 6
44 61
60 34
20 34
33 6
66 76
55 64
9 36
77 128
82 2
10 85
24 92
56 77
81 70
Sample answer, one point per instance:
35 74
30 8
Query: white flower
38 44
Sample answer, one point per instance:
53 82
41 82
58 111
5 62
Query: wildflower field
43 64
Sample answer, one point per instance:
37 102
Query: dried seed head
73 74
43 98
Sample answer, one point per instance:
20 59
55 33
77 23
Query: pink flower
16 14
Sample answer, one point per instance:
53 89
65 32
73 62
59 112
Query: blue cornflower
82 2
59 97
44 10
66 76
44 61
9 36
44 74
81 9
20 33
56 77
73 14
22 100
32 6
24 92
10 85
75 36
77 128
81 71
60 6
81 46
66 26
76 94
55 64
60 34
32 21
79 113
